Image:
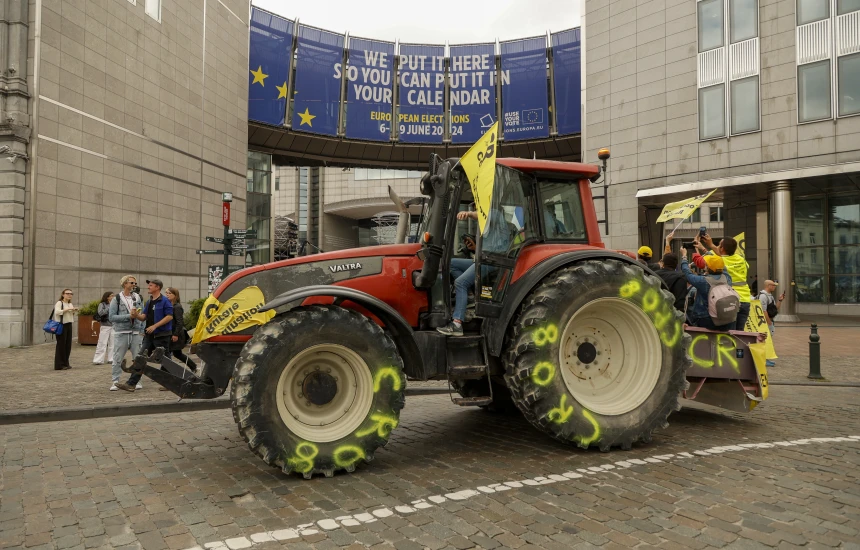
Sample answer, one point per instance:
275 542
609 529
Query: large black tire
301 351
587 344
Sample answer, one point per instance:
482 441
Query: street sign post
218 240
210 251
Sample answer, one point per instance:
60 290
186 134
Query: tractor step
472 401
460 372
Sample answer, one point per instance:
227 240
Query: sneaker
125 387
769 364
451 329
114 387
139 386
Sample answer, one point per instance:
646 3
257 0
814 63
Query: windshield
561 208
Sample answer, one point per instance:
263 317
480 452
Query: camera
136 289
689 245
703 231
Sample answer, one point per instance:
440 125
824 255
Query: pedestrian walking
64 312
104 348
158 314
180 336
127 327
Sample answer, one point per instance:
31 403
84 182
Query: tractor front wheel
597 355
317 390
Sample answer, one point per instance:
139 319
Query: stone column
14 160
782 247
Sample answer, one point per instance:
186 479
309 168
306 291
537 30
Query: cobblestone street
184 481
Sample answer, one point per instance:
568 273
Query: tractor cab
535 205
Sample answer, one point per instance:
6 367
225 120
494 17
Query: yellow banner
236 314
741 239
758 354
682 209
757 323
479 163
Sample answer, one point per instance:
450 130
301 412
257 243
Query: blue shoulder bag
53 327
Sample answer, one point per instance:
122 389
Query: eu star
259 76
306 118
282 91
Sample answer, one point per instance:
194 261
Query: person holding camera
770 304
124 315
736 267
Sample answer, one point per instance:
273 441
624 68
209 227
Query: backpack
771 309
723 302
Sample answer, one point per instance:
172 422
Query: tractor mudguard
494 329
400 330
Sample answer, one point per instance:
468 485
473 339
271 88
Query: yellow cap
714 262
645 252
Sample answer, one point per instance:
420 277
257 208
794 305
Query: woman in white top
64 312
104 349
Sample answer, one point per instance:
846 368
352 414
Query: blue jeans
463 272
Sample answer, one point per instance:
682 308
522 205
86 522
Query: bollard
814 354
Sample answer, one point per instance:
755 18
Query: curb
89 412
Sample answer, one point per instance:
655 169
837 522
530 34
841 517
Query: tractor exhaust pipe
403 219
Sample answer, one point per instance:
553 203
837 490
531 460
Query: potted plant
88 328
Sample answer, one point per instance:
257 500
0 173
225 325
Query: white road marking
464 494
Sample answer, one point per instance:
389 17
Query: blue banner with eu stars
567 78
316 101
421 80
269 67
368 89
473 91
525 112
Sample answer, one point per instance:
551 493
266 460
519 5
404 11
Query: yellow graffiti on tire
543 373
657 309
545 335
560 414
386 372
586 441
347 455
303 461
382 425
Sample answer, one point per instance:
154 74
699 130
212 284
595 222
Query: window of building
799 238
813 82
277 183
849 84
716 214
812 238
810 267
809 11
710 24
712 112
845 6
696 217
745 114
153 9
743 17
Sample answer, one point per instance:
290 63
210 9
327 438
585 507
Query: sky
454 21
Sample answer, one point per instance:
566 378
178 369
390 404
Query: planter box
88 330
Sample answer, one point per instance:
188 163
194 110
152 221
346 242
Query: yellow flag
479 163
236 314
758 354
741 239
682 209
757 323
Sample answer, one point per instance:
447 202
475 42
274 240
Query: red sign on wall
225 217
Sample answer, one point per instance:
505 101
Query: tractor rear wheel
318 389
597 355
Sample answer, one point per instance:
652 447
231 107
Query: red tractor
584 341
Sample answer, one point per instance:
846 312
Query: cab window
509 224
561 210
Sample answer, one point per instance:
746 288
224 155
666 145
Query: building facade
755 98
123 122
339 208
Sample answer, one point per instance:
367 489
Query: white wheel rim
610 356
344 413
